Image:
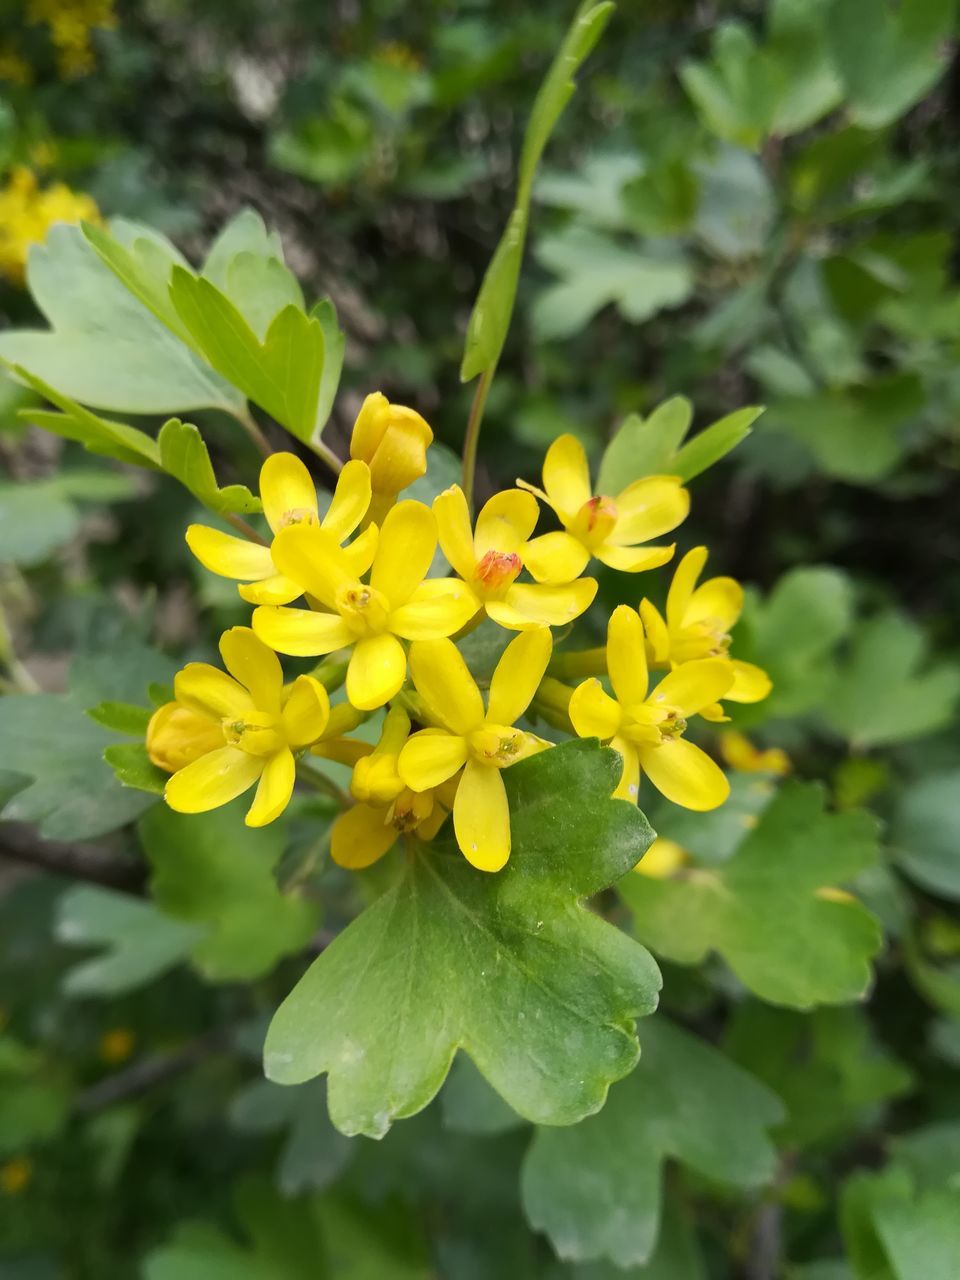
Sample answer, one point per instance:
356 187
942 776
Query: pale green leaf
184 455
926 833
539 992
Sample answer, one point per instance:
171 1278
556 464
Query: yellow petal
694 685
685 774
370 425
517 676
555 557
255 665
505 522
633 559
313 557
627 656
229 556
438 607
593 713
351 498
306 711
714 712
445 684
408 540
628 788
358 555
346 751
541 604
566 476
648 509
287 491
662 859
716 600
275 789
431 757
750 683
213 780
208 689
273 590
453 526
378 667
681 588
657 635
301 632
481 817
176 736
361 836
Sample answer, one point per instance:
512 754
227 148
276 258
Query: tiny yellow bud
393 441
117 1045
375 779
662 859
177 735
740 753
16 1175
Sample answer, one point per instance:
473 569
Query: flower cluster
69 23
353 587
27 213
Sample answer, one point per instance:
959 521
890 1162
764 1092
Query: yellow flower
662 859
289 497
646 727
393 441
117 1045
260 723
491 558
176 736
14 68
480 742
397 603
698 624
609 529
27 214
16 1175
740 753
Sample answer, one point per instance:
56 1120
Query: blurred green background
745 204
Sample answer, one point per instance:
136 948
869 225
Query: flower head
393 441
225 731
289 498
646 726
698 625
27 213
609 529
480 741
491 557
398 602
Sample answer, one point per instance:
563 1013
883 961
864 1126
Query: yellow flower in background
27 214
662 860
289 497
393 441
14 69
609 529
260 722
740 753
400 602
117 1045
479 741
698 624
16 1175
647 727
490 560
69 23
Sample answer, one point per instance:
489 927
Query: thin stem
308 864
330 672
246 530
472 438
79 861
20 677
326 453
252 428
320 782
151 1072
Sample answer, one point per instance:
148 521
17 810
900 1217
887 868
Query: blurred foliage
747 203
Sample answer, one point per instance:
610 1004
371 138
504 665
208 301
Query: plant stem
585 662
331 673
472 438
320 782
326 453
79 861
252 428
246 530
20 677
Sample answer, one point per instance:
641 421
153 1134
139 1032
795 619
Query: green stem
330 672
326 453
472 438
245 530
320 782
20 677
252 428
585 662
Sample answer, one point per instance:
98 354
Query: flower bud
392 440
177 735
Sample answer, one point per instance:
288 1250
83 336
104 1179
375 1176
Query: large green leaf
313 1153
540 992
149 370
490 318
897 1228
595 1188
926 833
761 909
887 691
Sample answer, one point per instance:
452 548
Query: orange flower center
497 570
595 521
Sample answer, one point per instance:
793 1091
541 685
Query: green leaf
89 310
539 992
334 346
282 374
246 232
761 910
132 767
184 455
96 434
890 59
142 261
314 1154
713 443
734 220
137 942
490 318
121 717
595 1188
736 93
926 833
210 869
34 1102
886 691
260 287
596 271
893 1228
36 519
470 1105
